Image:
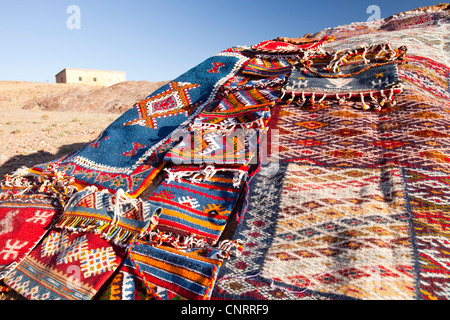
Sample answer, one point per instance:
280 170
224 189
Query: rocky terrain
113 99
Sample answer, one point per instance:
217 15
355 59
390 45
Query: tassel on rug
116 217
367 74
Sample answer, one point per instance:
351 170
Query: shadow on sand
30 160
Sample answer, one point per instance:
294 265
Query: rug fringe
226 248
109 226
208 173
378 99
50 182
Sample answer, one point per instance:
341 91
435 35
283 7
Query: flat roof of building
90 70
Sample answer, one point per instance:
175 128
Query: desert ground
40 122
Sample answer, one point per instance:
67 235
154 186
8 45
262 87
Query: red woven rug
24 220
66 266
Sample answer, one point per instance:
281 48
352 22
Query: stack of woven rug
297 168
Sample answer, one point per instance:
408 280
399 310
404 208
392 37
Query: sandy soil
29 137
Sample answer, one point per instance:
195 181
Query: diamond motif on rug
168 102
66 266
311 124
341 136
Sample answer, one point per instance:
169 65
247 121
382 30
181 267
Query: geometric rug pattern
339 233
413 133
358 206
344 231
429 202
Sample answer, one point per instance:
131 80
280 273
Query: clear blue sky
157 39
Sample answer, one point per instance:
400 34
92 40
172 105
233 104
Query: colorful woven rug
343 236
66 266
170 273
195 204
229 137
413 133
163 272
285 46
125 286
367 72
24 221
117 218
